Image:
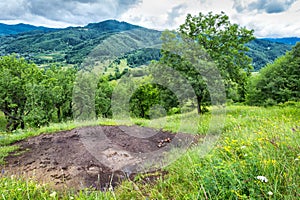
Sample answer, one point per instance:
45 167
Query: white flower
53 194
262 178
296 159
243 147
270 193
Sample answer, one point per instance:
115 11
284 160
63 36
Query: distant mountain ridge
71 45
6 29
107 25
284 40
112 25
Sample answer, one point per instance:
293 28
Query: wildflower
270 193
53 194
243 147
2 171
227 148
262 178
296 159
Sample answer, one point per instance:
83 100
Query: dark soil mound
98 157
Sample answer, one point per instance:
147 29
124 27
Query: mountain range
6 29
72 45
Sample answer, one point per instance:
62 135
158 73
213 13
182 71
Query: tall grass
255 143
256 157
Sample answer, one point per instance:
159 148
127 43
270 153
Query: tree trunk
59 114
199 101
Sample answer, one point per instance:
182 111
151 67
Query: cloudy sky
269 18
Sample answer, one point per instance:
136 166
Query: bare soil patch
99 157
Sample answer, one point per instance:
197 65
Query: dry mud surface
98 157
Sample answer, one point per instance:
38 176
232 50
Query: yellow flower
227 148
273 162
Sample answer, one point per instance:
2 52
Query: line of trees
35 96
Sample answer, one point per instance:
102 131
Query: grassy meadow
257 156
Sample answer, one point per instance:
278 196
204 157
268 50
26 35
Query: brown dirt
98 157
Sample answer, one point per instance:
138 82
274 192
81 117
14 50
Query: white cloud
269 18
268 6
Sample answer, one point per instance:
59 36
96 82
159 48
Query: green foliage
33 96
203 42
278 82
103 98
2 122
152 101
16 77
141 57
224 43
51 97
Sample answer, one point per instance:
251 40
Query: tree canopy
219 43
224 43
32 95
277 82
16 76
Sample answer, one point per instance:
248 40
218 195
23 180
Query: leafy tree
103 97
207 40
142 100
61 80
148 96
50 99
224 43
278 82
17 75
34 96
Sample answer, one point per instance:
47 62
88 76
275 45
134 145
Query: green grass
2 122
254 141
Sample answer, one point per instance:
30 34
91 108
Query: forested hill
264 51
20 28
71 45
286 40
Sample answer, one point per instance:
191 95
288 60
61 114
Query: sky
268 18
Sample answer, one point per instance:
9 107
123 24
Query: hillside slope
73 44
264 51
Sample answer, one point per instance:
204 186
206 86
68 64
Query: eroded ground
98 157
